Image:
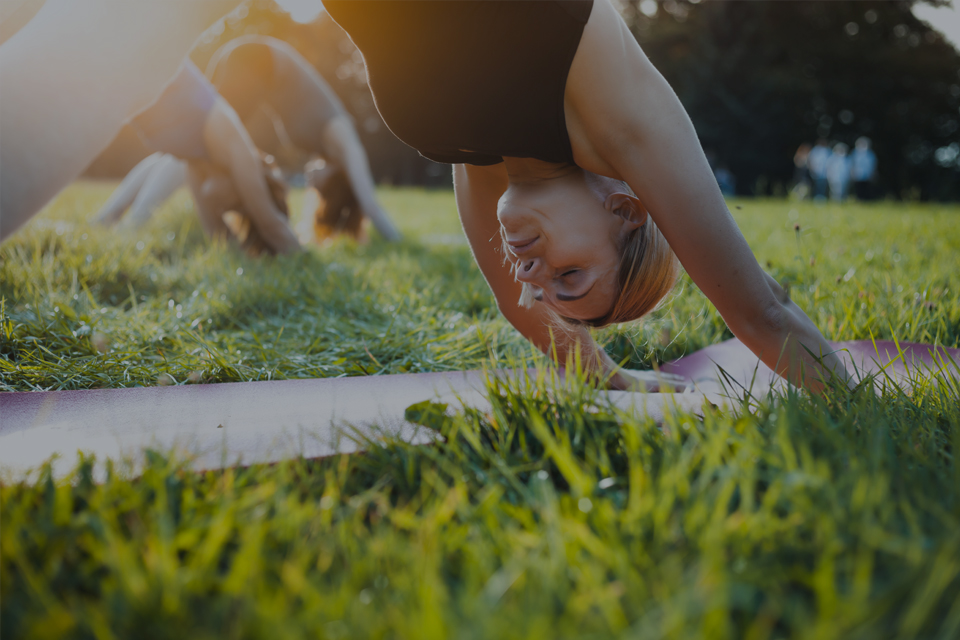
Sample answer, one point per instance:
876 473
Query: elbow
762 324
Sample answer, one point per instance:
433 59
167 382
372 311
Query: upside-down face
564 237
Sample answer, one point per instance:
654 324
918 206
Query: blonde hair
647 272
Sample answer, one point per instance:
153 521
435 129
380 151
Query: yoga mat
259 422
743 371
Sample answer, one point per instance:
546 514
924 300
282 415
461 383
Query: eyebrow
562 297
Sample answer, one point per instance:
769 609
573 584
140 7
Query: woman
259 75
192 123
575 150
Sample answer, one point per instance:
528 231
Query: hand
648 382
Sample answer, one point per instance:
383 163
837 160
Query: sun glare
302 11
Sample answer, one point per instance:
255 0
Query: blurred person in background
192 123
725 180
838 172
801 172
863 169
262 76
54 122
817 165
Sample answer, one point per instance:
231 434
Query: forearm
230 147
342 138
790 344
566 345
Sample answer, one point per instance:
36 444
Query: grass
550 516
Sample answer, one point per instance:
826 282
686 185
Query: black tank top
470 81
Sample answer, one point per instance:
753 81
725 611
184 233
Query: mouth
518 247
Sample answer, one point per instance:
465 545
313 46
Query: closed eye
562 297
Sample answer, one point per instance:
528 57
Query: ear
627 207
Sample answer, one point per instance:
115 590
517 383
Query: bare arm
477 190
626 122
341 137
230 146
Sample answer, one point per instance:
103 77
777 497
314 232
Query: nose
529 270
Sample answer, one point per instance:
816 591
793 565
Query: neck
530 170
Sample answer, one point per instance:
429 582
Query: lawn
551 516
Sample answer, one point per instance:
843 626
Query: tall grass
552 515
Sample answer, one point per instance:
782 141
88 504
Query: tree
760 78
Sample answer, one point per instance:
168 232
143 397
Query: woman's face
563 234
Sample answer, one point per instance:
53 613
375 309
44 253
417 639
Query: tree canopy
760 78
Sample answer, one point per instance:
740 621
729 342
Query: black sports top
470 81
253 70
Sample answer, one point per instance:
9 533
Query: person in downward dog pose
225 170
571 148
261 76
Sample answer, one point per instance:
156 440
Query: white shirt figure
817 160
838 172
863 161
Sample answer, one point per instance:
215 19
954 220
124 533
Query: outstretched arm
477 190
230 146
626 122
341 137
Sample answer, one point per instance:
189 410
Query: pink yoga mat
251 422
743 370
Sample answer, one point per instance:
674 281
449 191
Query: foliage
760 78
553 515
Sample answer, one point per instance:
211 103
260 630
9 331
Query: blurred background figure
817 166
726 180
863 169
838 172
192 123
801 174
263 77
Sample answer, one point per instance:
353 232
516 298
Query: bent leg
124 195
344 142
168 175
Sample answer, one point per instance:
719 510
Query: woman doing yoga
192 123
259 75
572 149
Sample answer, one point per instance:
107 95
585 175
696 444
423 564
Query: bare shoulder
611 90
